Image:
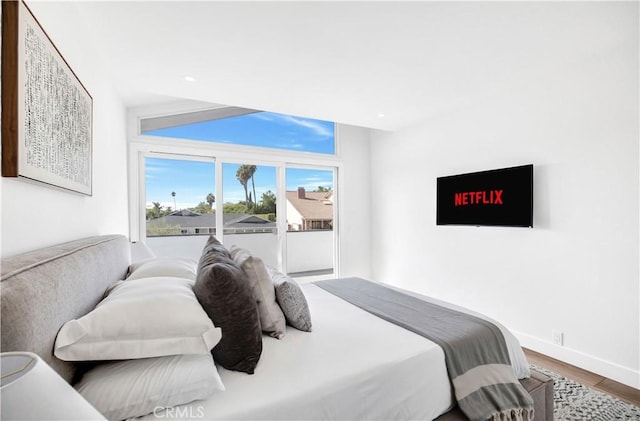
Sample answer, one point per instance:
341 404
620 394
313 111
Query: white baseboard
596 365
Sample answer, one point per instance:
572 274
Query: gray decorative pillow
224 292
271 317
291 300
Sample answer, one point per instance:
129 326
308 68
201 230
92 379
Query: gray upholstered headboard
42 289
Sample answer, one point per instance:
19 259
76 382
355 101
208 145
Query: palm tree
252 170
243 177
155 211
173 194
211 200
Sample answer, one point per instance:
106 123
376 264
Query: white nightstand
31 390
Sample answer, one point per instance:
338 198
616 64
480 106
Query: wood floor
587 378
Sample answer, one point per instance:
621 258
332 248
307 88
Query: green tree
211 200
157 211
202 207
243 175
252 171
267 203
154 212
235 208
323 189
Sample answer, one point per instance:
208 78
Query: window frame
142 146
138 115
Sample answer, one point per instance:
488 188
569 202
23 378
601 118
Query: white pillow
272 319
133 388
143 318
179 267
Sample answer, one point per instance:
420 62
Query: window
247 127
279 205
180 197
310 215
319 224
250 214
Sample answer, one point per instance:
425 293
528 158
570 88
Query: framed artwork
46 111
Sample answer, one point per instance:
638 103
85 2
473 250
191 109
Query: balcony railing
307 251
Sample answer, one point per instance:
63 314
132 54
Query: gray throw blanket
475 351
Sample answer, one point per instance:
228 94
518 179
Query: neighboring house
185 222
308 211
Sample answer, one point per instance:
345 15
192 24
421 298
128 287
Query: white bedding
352 366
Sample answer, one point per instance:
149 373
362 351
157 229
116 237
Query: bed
366 368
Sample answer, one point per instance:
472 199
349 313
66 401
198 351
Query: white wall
294 218
354 202
577 270
34 216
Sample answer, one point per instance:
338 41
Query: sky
272 130
193 180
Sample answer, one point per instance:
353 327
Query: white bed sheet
353 366
518 360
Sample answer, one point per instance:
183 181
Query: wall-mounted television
502 197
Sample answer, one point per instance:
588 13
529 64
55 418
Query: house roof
314 205
190 219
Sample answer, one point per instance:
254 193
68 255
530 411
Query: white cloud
156 168
165 205
314 186
262 116
312 183
234 197
314 126
290 145
317 128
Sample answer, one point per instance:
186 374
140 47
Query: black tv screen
502 197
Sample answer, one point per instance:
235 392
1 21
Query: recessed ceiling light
380 115
190 78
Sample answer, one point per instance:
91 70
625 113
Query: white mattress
353 366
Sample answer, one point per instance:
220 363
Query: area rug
575 402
